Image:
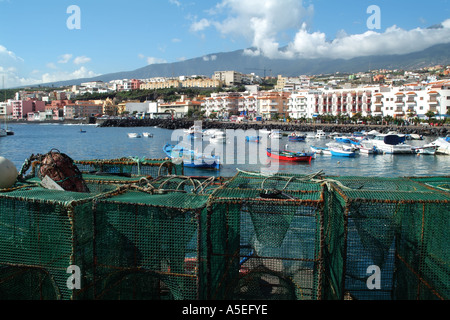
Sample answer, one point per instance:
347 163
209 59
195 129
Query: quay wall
302 127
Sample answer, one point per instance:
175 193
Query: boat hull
191 159
288 156
297 138
342 153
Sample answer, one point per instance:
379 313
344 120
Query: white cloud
65 75
65 58
81 60
175 2
210 58
151 60
175 40
393 41
263 23
51 65
200 25
260 22
6 54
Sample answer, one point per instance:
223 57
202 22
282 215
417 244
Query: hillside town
410 96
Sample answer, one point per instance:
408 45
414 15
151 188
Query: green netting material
149 235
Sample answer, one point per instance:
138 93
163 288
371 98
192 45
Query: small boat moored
425 150
320 134
190 158
286 155
320 150
134 135
275 134
218 136
294 136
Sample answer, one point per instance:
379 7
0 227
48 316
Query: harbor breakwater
426 130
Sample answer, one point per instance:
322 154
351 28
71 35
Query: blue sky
36 45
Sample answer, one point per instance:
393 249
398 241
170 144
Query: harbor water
113 143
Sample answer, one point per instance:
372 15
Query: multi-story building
222 104
5 110
272 105
82 109
398 102
180 108
21 108
291 84
56 108
161 84
228 78
188 82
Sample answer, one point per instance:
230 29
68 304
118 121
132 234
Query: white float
8 173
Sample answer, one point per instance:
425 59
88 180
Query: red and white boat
286 155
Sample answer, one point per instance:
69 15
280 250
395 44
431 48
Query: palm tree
430 114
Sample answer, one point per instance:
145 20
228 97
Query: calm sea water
108 143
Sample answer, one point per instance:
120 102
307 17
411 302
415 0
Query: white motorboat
134 135
195 132
425 150
343 146
320 150
210 132
367 148
320 134
442 145
275 134
147 135
391 144
218 137
341 151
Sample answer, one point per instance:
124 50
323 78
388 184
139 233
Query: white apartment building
222 104
398 102
228 77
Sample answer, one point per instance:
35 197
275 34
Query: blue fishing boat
190 158
340 152
297 137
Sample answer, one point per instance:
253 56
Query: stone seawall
301 127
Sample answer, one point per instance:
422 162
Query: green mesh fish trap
265 239
130 167
148 244
394 228
42 233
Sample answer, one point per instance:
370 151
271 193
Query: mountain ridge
238 61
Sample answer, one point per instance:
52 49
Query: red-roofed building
180 108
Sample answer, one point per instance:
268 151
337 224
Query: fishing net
146 231
264 237
394 233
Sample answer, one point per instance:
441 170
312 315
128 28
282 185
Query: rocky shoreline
301 127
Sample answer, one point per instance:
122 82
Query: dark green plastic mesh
42 233
398 226
130 166
151 235
264 237
149 239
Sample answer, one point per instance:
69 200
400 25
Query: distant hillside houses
377 93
